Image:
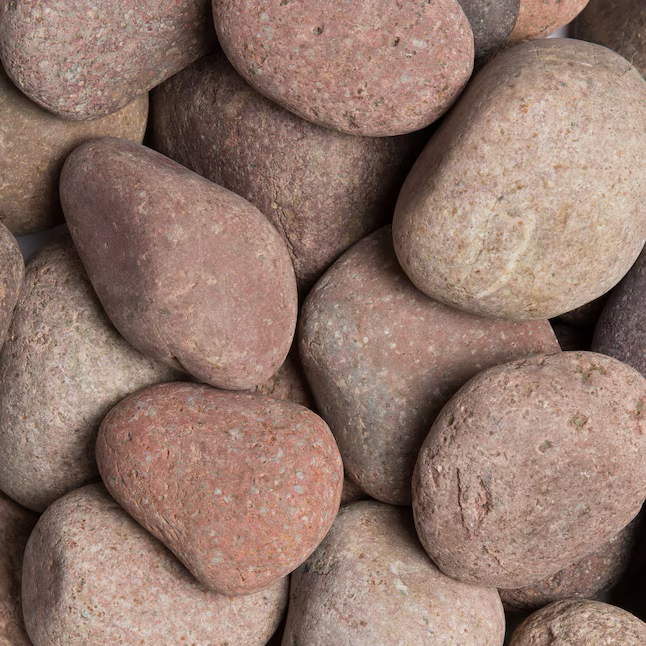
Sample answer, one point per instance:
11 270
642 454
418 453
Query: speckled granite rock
370 582
382 359
12 271
549 446
580 623
188 272
94 576
16 524
539 18
491 22
323 190
242 488
33 146
510 212
84 60
62 368
371 68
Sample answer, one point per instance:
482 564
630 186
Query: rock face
541 446
508 213
491 22
382 359
371 68
371 560
241 488
188 272
12 271
33 146
93 59
61 370
94 576
539 18
323 190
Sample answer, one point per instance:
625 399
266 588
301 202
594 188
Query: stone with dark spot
87 59
382 359
323 190
242 488
491 22
92 575
189 272
366 68
370 582
539 18
530 466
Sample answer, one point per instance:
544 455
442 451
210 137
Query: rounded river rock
491 22
539 18
12 272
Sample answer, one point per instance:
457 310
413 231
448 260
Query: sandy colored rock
16 524
491 22
33 146
12 271
580 623
510 212
540 18
63 367
588 578
382 360
549 446
323 190
188 272
370 582
89 60
372 68
94 576
242 488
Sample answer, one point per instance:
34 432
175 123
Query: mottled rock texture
491 22
587 315
94 576
188 272
539 18
530 466
241 488
63 367
371 68
323 190
16 524
382 359
12 271
370 582
511 211
580 623
33 146
84 60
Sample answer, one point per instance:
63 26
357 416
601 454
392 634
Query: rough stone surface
16 524
382 359
85 60
619 25
370 582
12 271
580 623
540 18
242 488
371 68
323 190
530 466
187 271
33 146
94 576
510 211
63 367
588 578
491 22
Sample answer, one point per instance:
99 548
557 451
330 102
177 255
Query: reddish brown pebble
580 623
530 466
189 272
93 576
88 59
33 146
539 18
382 359
16 524
323 190
12 271
242 488
371 68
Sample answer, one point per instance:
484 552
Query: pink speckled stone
539 18
189 272
366 68
84 59
382 359
242 488
93 576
